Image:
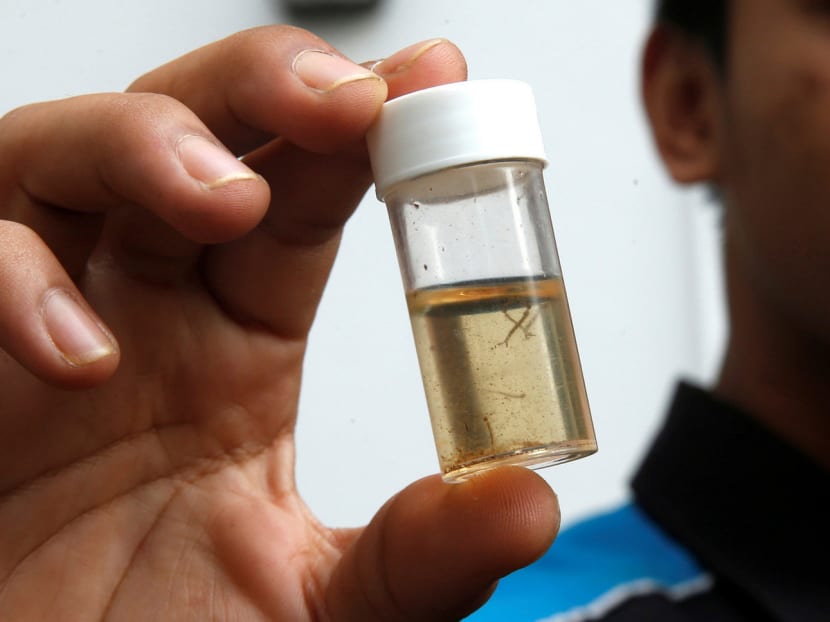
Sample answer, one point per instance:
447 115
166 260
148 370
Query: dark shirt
728 523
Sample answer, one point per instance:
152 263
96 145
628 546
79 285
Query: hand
156 298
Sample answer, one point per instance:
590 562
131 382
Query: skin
760 132
154 480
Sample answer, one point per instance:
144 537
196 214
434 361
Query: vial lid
452 125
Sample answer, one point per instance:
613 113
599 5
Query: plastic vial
459 167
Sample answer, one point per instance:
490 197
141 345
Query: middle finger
272 81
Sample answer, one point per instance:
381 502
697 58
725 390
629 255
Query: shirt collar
752 509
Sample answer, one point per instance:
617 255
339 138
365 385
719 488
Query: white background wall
639 256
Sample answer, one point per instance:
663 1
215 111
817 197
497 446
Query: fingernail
324 71
371 65
78 336
209 164
405 58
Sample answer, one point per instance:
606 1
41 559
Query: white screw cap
451 125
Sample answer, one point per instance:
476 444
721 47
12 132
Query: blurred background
640 256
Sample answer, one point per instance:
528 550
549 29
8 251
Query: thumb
435 551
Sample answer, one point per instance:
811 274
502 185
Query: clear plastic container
459 167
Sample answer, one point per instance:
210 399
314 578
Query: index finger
237 85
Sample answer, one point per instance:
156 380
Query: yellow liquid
502 375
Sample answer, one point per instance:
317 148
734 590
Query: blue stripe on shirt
588 561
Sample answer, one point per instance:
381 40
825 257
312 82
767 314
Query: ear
682 92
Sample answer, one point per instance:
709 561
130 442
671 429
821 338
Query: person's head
738 96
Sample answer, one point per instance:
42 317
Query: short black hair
704 20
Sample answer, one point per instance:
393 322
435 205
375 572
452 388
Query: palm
184 442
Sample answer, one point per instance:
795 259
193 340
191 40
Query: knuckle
255 38
136 126
140 113
16 127
17 241
13 118
259 49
